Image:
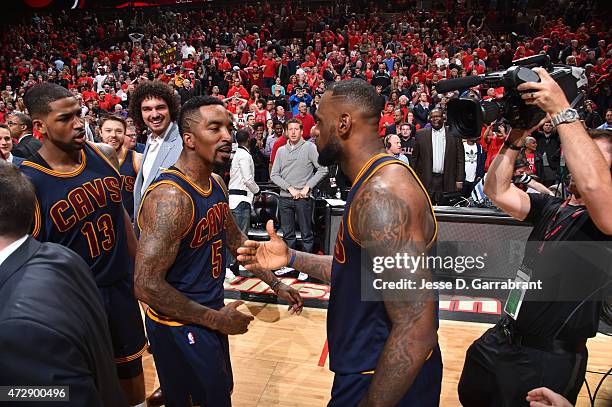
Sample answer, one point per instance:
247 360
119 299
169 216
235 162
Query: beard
330 154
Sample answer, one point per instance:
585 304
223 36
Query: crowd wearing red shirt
240 52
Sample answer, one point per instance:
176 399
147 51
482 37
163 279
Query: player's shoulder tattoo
381 218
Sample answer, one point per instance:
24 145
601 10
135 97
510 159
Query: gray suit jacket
168 154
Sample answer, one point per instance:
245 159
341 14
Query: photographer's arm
498 182
588 167
539 187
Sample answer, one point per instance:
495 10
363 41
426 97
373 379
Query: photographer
541 339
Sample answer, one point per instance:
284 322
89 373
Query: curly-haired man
155 106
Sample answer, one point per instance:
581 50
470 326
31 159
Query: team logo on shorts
190 338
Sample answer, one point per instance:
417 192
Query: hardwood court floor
277 363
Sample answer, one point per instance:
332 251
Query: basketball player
79 205
186 227
113 132
383 352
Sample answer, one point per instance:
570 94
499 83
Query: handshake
299 193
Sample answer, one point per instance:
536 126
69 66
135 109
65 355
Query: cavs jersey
128 171
356 330
199 268
82 210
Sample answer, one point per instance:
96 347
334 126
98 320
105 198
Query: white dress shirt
154 147
438 144
10 158
10 249
242 173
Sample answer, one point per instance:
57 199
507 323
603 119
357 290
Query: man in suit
21 128
6 146
154 105
421 110
438 158
53 328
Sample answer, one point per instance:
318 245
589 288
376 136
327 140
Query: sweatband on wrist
292 259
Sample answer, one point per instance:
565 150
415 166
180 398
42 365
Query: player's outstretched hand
270 255
234 322
292 296
544 396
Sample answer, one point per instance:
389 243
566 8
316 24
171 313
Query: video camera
466 116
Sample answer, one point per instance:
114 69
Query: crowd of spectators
271 62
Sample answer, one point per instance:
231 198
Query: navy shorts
125 323
349 389
193 363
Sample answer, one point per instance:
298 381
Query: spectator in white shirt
241 190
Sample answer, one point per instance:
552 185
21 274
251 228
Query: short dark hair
24 119
294 121
153 89
38 98
602 134
242 136
361 94
598 134
17 202
192 108
277 123
113 118
258 125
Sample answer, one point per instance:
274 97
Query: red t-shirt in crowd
495 144
308 123
531 160
277 144
385 119
241 91
269 68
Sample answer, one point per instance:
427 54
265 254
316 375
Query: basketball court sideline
282 360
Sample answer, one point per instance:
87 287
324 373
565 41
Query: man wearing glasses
130 142
21 128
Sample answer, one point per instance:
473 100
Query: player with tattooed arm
186 226
383 352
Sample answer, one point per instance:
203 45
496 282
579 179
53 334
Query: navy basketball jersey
83 211
128 171
199 268
356 329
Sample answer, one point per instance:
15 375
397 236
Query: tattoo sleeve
389 219
165 216
314 265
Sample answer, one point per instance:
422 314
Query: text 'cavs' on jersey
199 268
83 211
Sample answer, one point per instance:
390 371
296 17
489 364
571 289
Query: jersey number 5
104 228
216 258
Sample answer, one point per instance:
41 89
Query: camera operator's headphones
386 141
